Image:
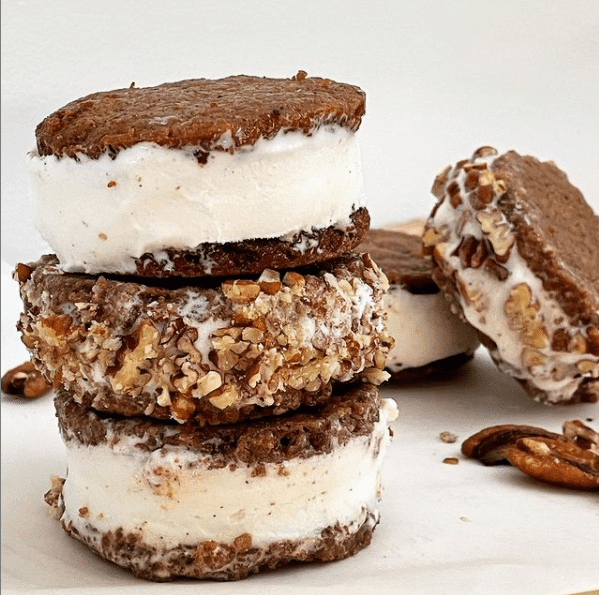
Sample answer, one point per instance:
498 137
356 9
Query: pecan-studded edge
211 352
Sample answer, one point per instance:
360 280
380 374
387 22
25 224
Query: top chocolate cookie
208 114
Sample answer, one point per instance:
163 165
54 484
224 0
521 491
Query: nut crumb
52 496
451 460
448 437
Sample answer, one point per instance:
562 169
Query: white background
442 78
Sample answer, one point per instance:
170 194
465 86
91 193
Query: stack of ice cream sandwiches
214 339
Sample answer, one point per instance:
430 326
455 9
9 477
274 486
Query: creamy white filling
171 497
99 214
556 373
424 328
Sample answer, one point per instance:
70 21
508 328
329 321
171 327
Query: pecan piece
472 252
438 188
25 381
490 445
241 291
556 461
581 434
569 460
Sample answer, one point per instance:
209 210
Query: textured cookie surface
238 348
515 245
211 114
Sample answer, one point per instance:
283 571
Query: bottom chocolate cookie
168 500
439 367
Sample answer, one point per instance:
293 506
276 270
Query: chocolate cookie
213 352
429 338
515 247
253 256
202 177
223 502
221 114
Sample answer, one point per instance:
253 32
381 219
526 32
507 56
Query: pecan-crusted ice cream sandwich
202 177
213 352
223 502
516 247
429 337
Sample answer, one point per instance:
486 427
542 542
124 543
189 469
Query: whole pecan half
490 445
556 461
25 381
569 460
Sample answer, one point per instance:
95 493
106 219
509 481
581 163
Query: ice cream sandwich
515 246
429 337
202 177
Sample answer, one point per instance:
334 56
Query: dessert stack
214 339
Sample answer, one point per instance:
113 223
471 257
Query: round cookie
429 338
215 352
515 247
202 177
224 502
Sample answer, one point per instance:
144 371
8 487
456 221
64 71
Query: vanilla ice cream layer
424 328
557 373
99 214
171 496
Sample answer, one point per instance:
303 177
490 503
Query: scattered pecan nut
581 434
569 460
490 445
25 381
556 461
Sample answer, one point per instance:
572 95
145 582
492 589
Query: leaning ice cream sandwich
515 246
429 337
202 177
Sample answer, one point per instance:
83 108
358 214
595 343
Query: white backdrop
441 77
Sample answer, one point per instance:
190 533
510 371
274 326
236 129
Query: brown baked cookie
515 246
202 177
223 502
219 114
253 256
214 352
429 338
